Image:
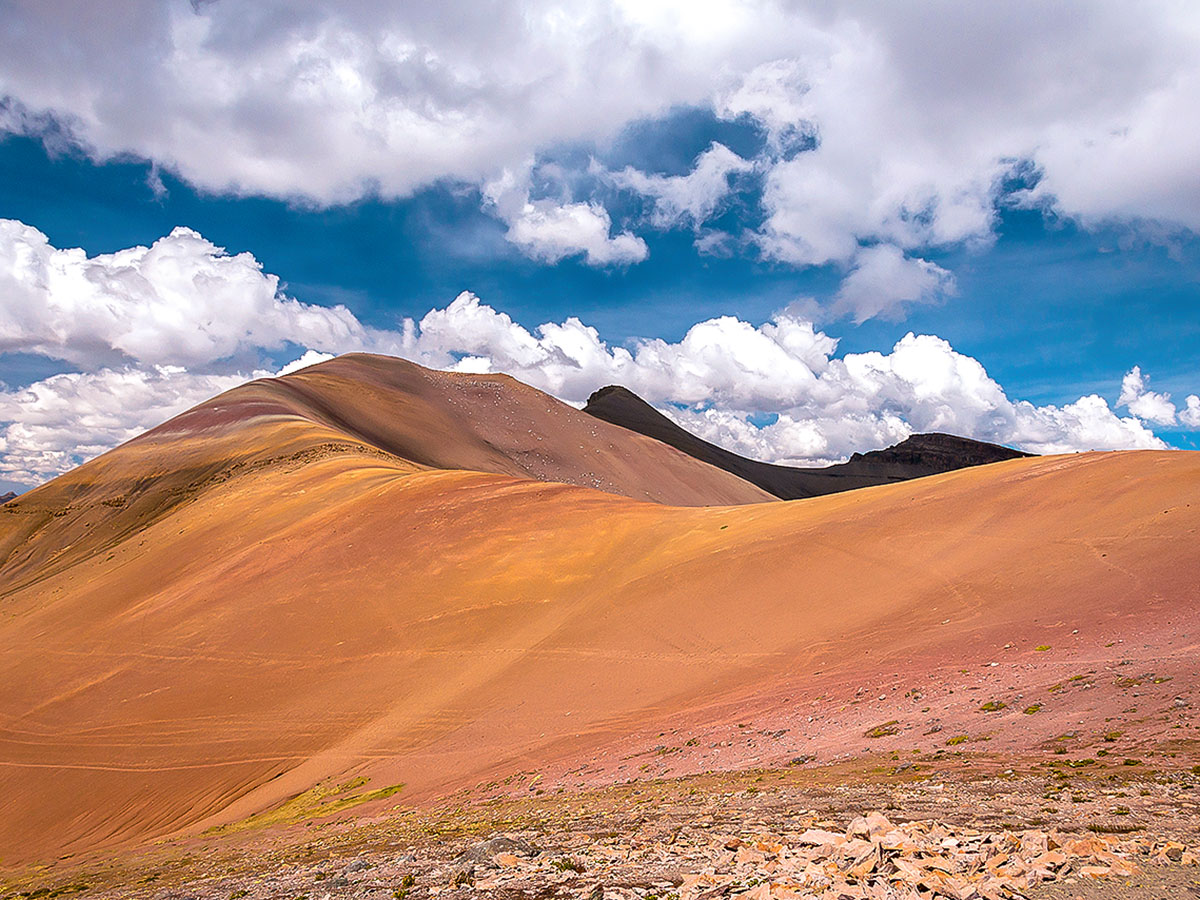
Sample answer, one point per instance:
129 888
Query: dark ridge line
915 457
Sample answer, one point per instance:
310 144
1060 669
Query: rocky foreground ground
967 830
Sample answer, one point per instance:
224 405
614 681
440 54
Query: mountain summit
915 457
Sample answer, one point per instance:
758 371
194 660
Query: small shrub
1030 710
993 706
956 740
1042 648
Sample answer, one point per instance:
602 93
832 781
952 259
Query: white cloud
137 307
1144 403
689 199
725 371
61 421
181 301
915 111
884 280
550 231
1190 415
310 358
293 99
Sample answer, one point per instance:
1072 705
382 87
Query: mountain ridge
917 456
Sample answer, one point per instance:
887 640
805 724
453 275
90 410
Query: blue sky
837 170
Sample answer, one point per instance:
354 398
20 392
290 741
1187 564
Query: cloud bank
181 301
154 330
885 126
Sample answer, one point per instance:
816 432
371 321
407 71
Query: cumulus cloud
720 379
724 374
884 281
181 301
885 124
1143 402
719 376
1190 414
550 230
59 422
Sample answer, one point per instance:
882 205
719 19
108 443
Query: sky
800 229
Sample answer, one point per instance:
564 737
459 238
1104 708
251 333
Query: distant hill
4 498
919 455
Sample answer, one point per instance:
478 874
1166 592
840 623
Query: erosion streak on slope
353 614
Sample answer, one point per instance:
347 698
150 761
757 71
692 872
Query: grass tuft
892 727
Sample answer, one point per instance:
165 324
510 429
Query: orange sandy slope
284 604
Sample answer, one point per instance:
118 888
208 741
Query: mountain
265 600
4 498
358 405
915 457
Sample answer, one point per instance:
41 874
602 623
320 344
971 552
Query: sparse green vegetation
322 800
1042 648
957 739
883 730
993 706
51 893
1033 708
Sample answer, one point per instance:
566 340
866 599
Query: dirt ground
707 836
